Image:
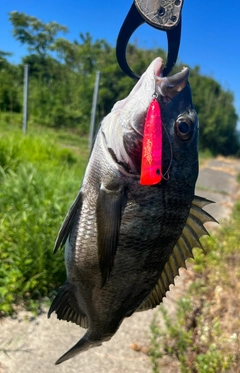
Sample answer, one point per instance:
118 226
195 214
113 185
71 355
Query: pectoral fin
110 204
68 222
189 239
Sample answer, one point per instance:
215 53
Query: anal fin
66 308
189 239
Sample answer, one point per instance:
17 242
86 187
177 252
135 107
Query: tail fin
83 345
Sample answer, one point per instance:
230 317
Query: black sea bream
125 241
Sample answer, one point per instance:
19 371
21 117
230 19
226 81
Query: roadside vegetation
38 181
203 336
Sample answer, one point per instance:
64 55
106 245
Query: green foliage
238 177
190 338
38 181
155 350
11 86
203 335
39 36
62 76
217 115
10 120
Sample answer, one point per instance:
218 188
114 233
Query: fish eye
184 128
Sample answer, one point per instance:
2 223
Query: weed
238 177
38 182
192 338
203 335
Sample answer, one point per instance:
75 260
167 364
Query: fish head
180 128
179 121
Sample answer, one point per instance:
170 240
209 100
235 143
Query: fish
124 241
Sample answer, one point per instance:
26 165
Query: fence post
93 112
25 99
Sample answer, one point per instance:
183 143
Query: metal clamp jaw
161 14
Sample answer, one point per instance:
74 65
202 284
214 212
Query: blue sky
210 35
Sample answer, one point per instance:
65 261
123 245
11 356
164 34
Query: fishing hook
160 14
166 176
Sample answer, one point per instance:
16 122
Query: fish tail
82 345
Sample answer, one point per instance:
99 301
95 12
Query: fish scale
125 242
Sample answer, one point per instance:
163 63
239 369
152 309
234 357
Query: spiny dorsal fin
189 239
65 306
68 222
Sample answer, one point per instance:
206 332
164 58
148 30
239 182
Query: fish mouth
158 67
169 86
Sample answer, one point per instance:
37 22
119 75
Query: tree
3 60
39 36
10 85
217 115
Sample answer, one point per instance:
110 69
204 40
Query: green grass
63 137
40 175
238 177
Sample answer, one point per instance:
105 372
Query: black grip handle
135 18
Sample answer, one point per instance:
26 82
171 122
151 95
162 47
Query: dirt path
30 344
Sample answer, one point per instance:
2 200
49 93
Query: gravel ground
30 344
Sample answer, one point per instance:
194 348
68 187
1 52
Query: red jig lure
151 167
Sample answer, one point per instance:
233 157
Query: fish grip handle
161 14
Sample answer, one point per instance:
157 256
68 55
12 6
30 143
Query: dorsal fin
68 222
189 239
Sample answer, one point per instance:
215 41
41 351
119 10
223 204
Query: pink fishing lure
151 166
